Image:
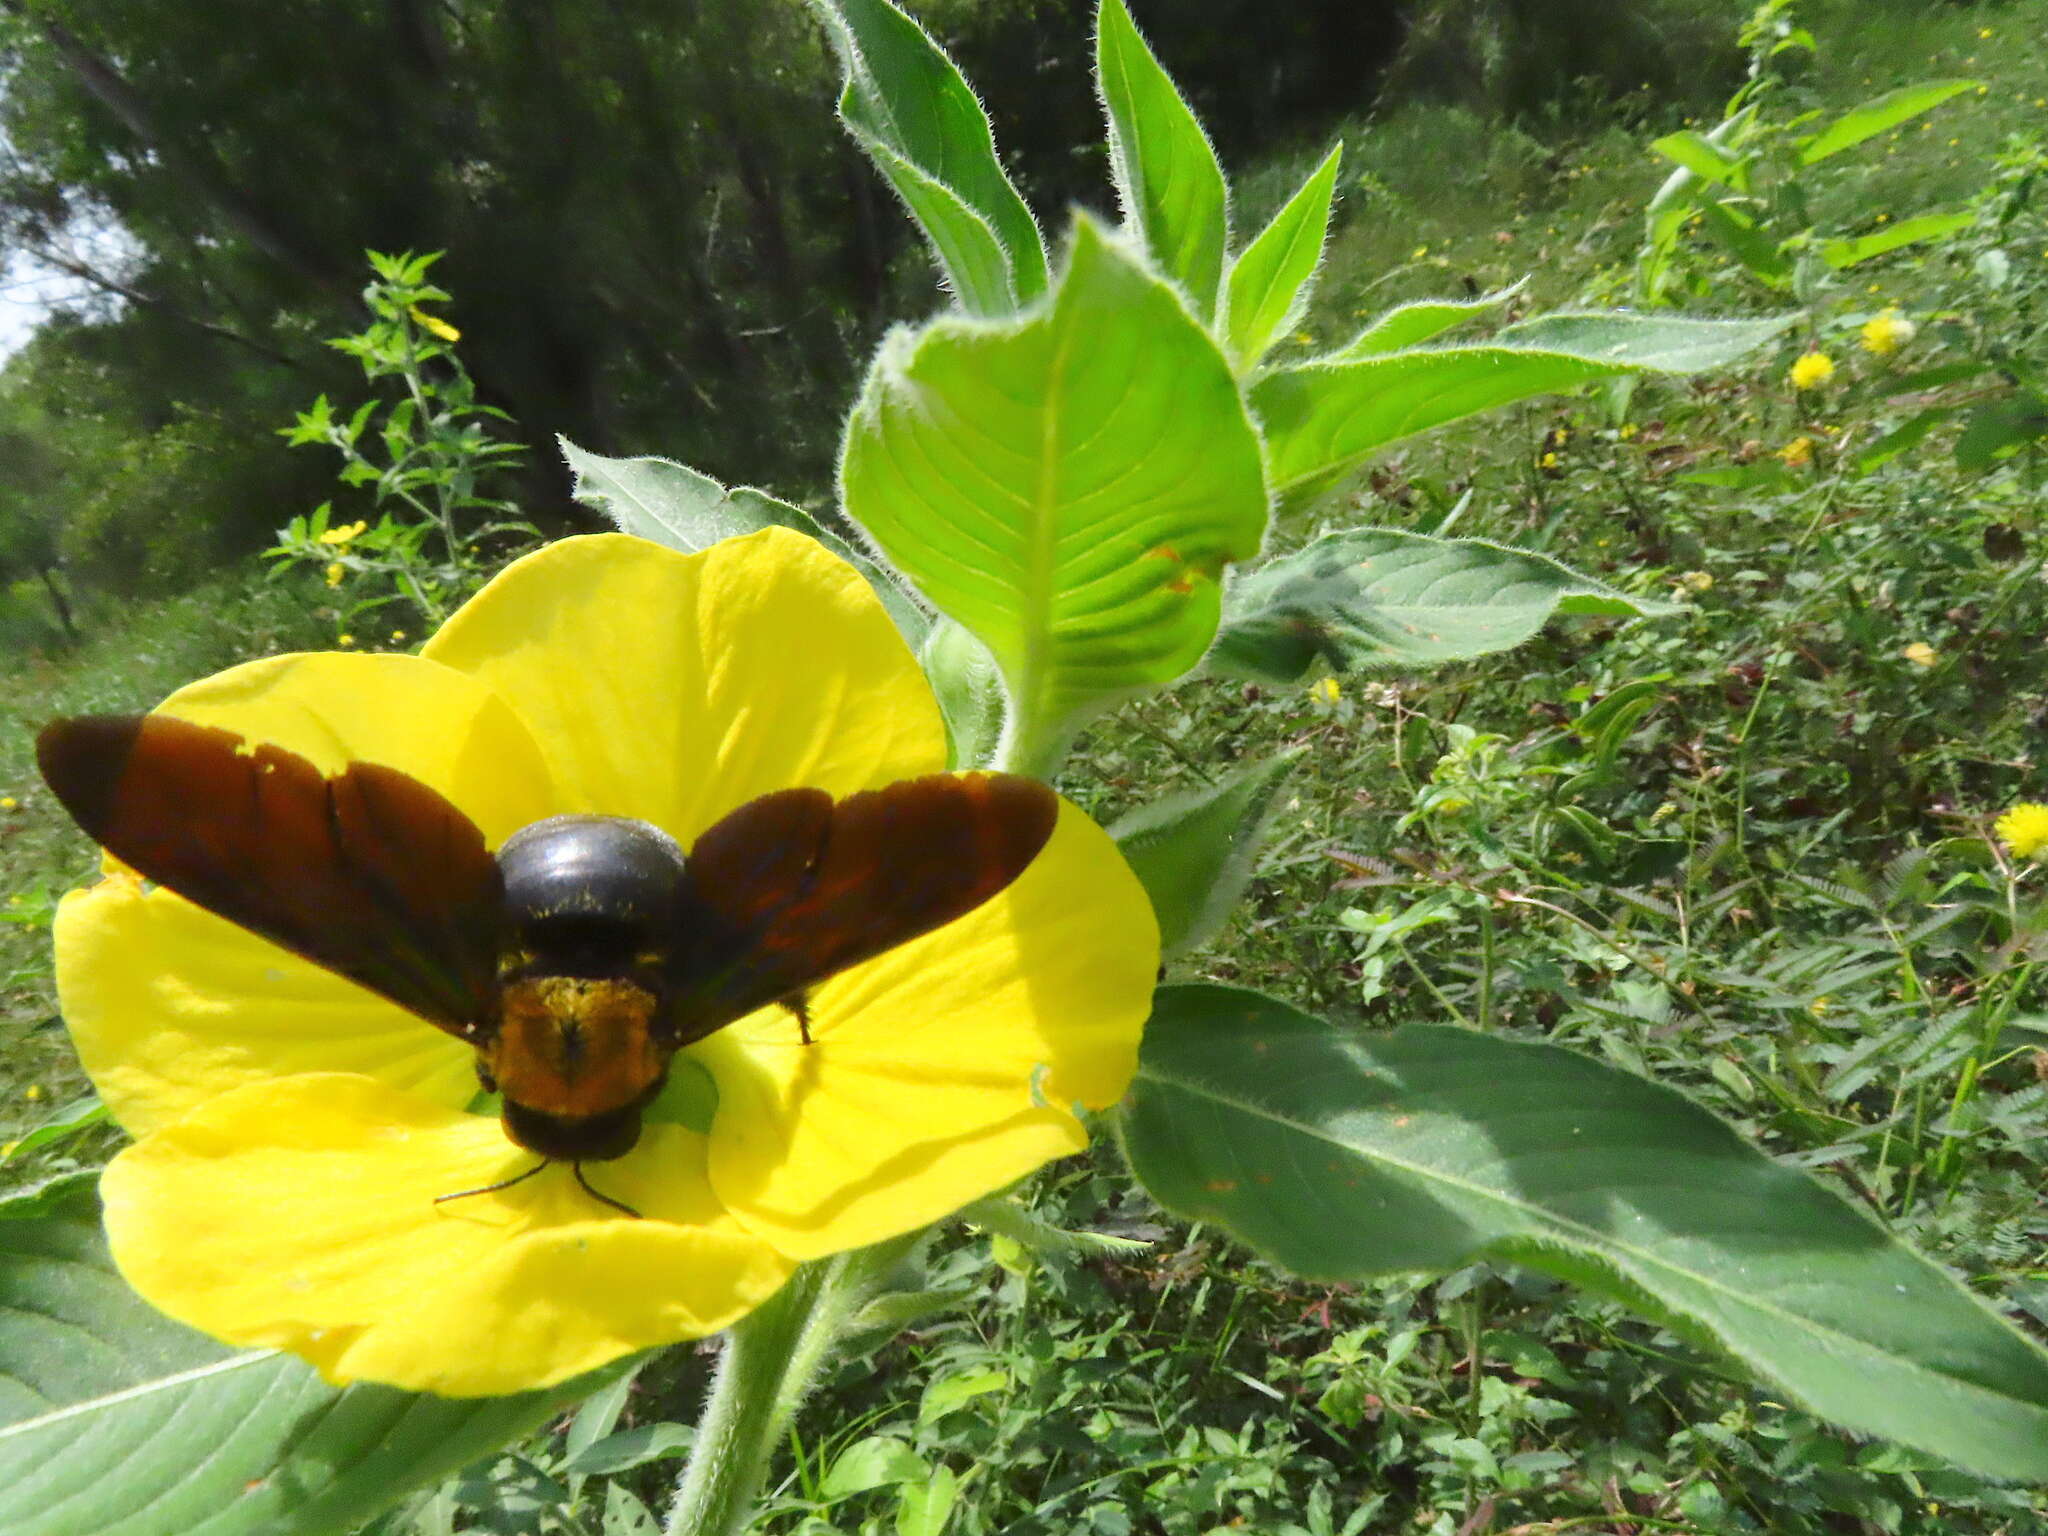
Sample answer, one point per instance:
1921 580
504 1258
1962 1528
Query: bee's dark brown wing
369 873
792 888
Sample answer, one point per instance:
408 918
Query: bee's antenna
517 1178
600 1196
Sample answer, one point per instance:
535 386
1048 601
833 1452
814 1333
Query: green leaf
1739 236
1410 325
923 1509
629 1448
1067 486
670 503
1193 852
1702 156
1841 254
1323 418
908 106
1902 438
116 1421
1998 430
1270 280
1167 178
67 1122
1340 1154
1646 343
874 1462
945 1393
1878 114
1380 597
969 689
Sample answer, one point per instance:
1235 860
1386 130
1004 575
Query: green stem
743 1419
771 1357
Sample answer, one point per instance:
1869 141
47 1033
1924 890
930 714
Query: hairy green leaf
1410 325
969 689
672 504
115 1421
1323 418
1340 1154
1193 852
1068 486
906 103
1380 597
1167 177
1270 280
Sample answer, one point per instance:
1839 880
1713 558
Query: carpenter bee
588 950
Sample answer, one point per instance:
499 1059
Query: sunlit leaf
1269 281
1166 173
1410 325
1879 113
1700 155
907 105
1323 418
1340 1154
1842 254
1068 486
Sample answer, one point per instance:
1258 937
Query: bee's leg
799 1003
486 1189
601 1197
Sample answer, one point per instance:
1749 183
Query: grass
1745 851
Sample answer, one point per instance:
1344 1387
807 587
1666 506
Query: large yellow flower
293 1129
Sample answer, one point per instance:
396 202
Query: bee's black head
586 892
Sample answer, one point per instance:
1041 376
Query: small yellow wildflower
33 1093
433 325
7 1149
2024 829
343 533
1628 430
1329 690
1798 453
1983 31
335 571
1812 370
1697 581
1884 334
1548 461
398 637
1819 1007
9 803
1420 252
344 641
1920 653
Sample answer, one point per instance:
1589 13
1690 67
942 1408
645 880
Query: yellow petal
676 687
405 712
299 1214
945 1068
169 1004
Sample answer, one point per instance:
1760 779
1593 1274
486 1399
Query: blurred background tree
657 237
